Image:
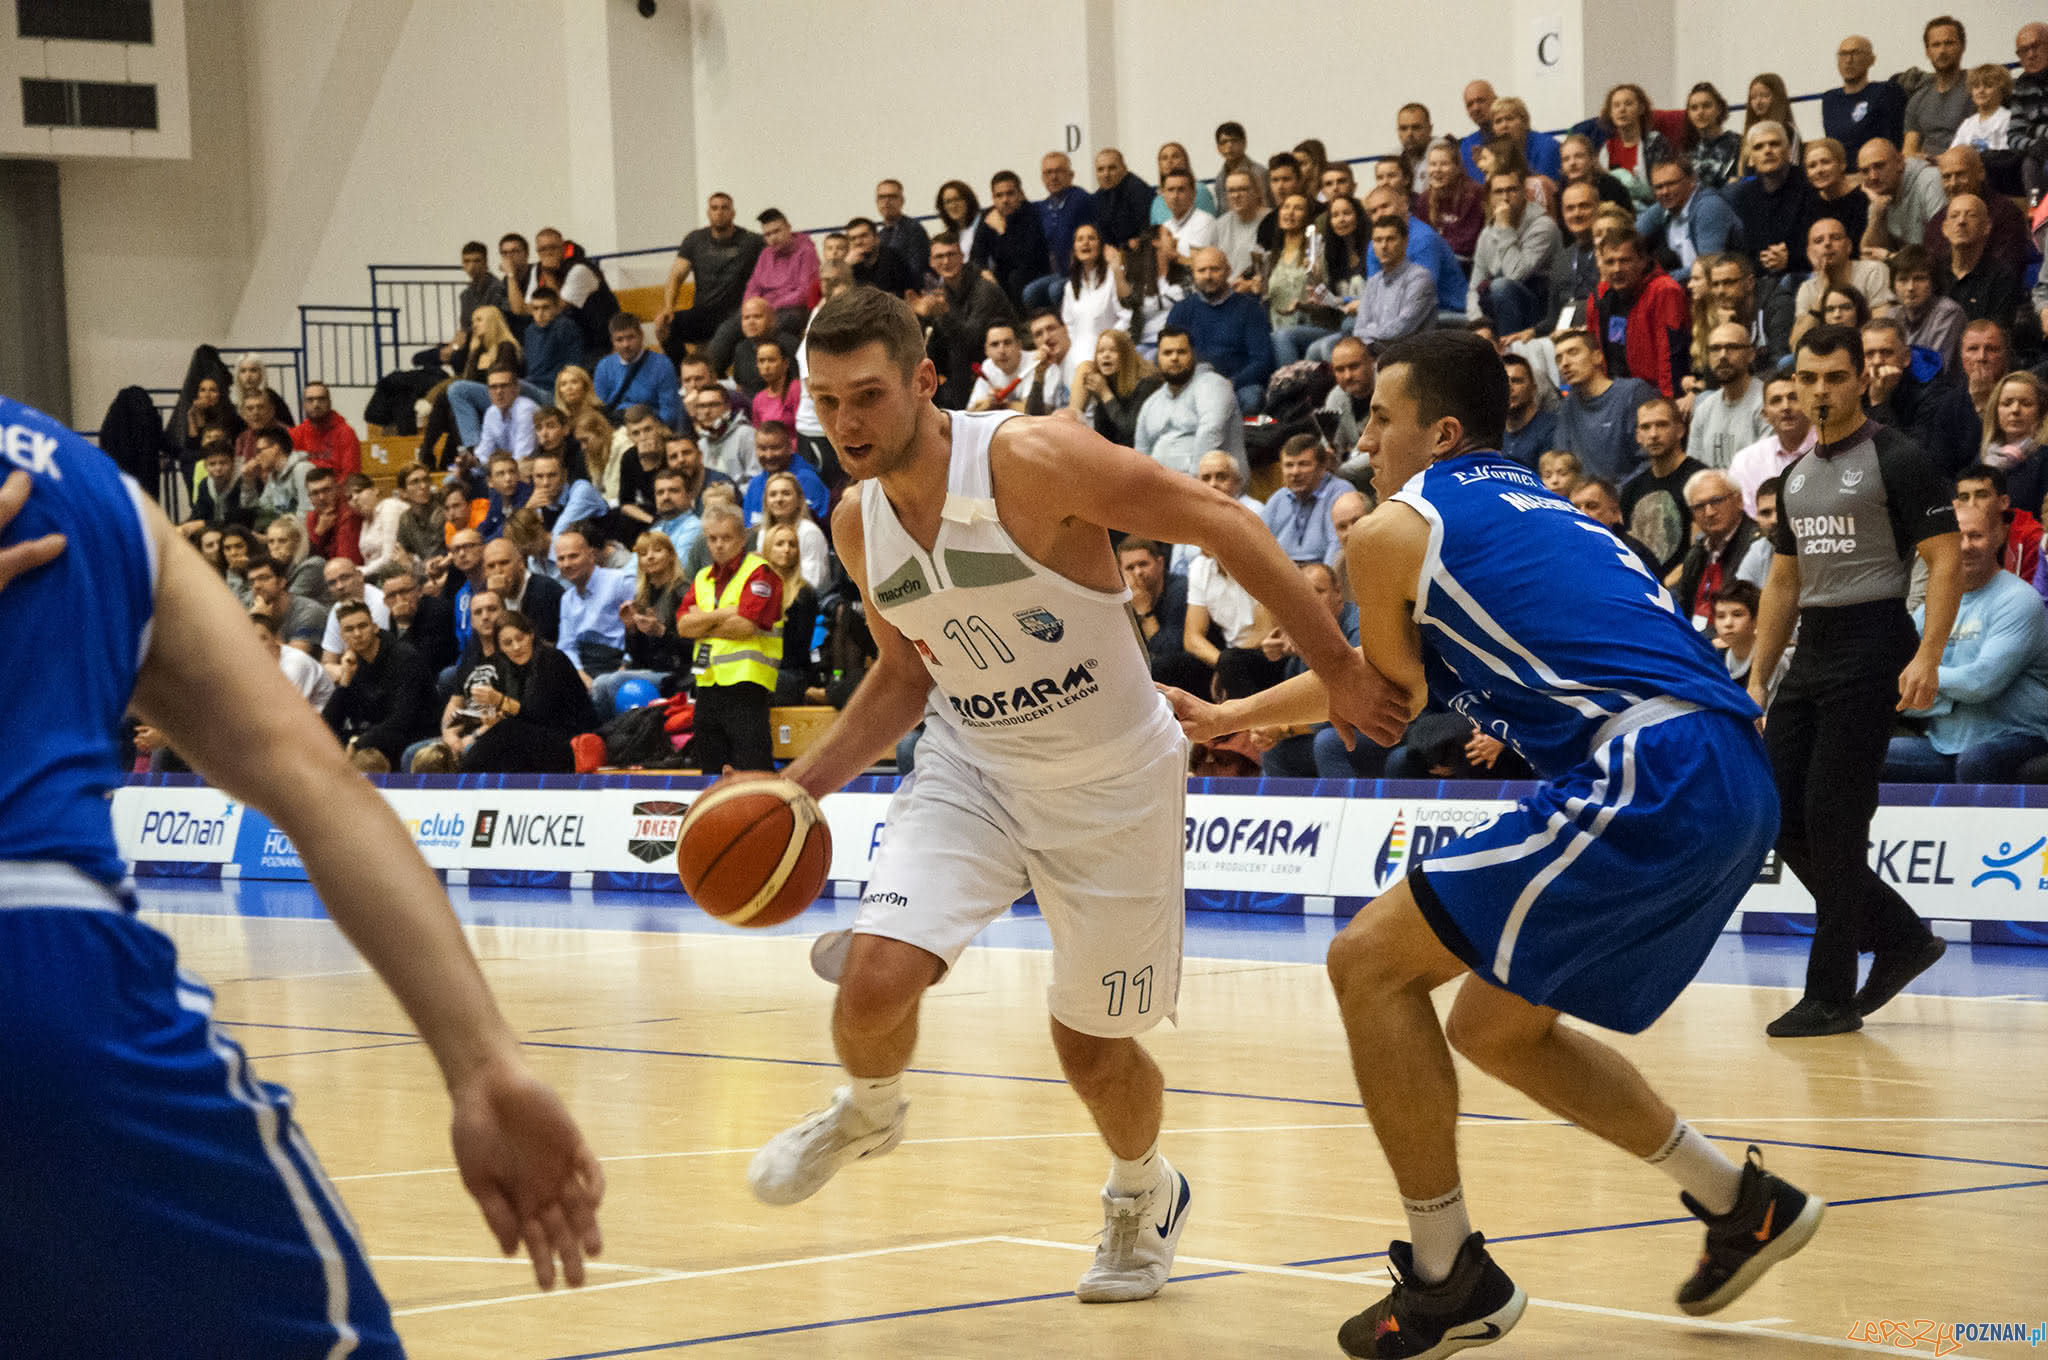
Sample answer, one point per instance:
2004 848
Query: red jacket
2023 545
345 539
330 444
1652 338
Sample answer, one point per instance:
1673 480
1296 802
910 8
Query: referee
1852 512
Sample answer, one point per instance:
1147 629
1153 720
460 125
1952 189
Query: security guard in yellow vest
734 614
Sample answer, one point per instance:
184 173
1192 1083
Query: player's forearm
1250 553
887 704
1299 702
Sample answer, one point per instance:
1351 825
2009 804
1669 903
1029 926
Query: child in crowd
1986 128
1560 471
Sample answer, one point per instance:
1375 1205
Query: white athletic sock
1436 1229
1136 1177
1692 1160
875 1098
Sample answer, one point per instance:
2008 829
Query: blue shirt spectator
563 501
683 530
1427 249
1298 514
1230 330
1698 223
590 614
1990 713
551 348
508 429
1060 211
815 494
1191 413
634 375
1533 440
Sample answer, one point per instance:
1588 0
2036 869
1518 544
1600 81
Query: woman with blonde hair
2015 422
302 573
782 502
1826 162
251 379
1452 204
1108 391
1580 164
798 680
574 393
1768 101
599 442
653 651
1174 156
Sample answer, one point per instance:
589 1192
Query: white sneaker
1139 1234
796 1163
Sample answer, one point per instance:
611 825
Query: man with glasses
1684 222
1862 109
1512 264
1237 227
2028 133
1729 416
508 424
1729 547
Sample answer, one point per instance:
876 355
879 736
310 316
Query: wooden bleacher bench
795 730
385 455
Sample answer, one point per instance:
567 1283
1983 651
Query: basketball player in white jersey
1049 763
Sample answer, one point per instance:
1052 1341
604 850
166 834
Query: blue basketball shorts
158 1199
1601 894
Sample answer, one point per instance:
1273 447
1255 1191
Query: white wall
329 136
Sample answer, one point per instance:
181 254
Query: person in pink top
781 390
786 274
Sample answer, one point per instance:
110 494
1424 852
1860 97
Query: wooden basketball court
682 1052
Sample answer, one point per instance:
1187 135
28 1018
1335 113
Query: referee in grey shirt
1851 513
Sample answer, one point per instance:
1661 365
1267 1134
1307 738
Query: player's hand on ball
525 1162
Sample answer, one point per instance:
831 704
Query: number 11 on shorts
1120 983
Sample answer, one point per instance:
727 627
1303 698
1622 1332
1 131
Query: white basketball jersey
1043 679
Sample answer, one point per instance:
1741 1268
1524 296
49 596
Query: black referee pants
730 727
1828 731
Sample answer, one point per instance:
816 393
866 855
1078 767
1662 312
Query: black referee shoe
1812 1018
1771 1220
1889 973
1475 1305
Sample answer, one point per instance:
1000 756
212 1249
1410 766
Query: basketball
754 852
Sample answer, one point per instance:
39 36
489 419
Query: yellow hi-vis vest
730 661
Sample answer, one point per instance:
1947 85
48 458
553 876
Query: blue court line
1171 1090
690 1342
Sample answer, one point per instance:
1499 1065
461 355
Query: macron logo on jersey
31 450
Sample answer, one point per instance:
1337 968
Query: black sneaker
1475 1305
1889 973
1772 1219
1811 1018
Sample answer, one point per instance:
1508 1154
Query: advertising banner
1263 852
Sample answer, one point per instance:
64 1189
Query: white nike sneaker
796 1163
1139 1234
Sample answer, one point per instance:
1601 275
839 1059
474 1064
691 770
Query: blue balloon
635 692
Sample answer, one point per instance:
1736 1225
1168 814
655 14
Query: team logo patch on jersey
653 834
1851 478
1797 482
1042 624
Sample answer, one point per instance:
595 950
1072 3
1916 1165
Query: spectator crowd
613 511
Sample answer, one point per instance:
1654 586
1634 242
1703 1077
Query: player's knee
1357 959
1486 1046
880 987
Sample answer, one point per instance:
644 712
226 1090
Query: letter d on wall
1073 138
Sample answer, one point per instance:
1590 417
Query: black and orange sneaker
1771 1220
1475 1305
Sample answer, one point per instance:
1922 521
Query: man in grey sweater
1517 251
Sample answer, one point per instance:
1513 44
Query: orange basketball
754 852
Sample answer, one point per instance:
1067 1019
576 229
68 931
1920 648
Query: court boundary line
1314 1101
2007 999
1291 1268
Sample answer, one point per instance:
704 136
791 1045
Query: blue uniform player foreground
1599 896
158 1199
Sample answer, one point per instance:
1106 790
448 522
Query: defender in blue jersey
158 1199
1598 896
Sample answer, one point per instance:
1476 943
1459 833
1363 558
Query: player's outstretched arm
18 558
1078 474
229 711
890 699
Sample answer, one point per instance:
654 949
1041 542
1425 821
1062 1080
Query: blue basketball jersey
1537 623
72 636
